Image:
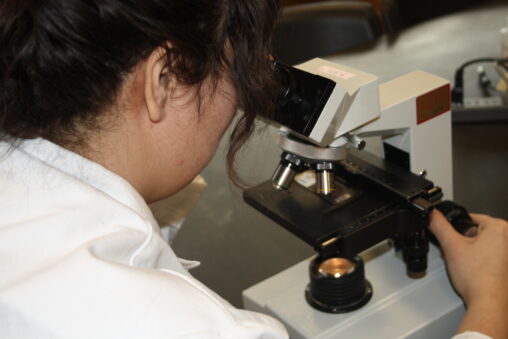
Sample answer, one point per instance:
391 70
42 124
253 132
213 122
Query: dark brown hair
62 62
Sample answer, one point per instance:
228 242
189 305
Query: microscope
354 182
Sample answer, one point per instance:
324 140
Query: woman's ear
157 85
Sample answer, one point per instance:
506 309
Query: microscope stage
371 215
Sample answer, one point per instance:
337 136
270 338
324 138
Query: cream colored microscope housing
411 113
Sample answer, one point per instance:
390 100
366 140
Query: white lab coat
81 257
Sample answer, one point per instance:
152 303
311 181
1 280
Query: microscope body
360 198
410 114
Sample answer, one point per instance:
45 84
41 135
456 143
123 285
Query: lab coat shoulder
81 257
84 296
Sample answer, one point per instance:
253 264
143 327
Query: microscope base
401 307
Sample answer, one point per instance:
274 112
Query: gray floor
238 247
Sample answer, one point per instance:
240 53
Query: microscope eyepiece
286 83
301 99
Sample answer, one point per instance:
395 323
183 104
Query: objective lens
325 184
289 166
283 176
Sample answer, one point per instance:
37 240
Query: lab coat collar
90 172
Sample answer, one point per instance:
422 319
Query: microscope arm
415 118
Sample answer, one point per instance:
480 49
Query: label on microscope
339 73
433 103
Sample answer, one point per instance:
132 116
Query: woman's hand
478 268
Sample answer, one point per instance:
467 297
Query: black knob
458 217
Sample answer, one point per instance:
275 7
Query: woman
106 106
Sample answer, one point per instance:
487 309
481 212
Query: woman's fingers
480 218
444 232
